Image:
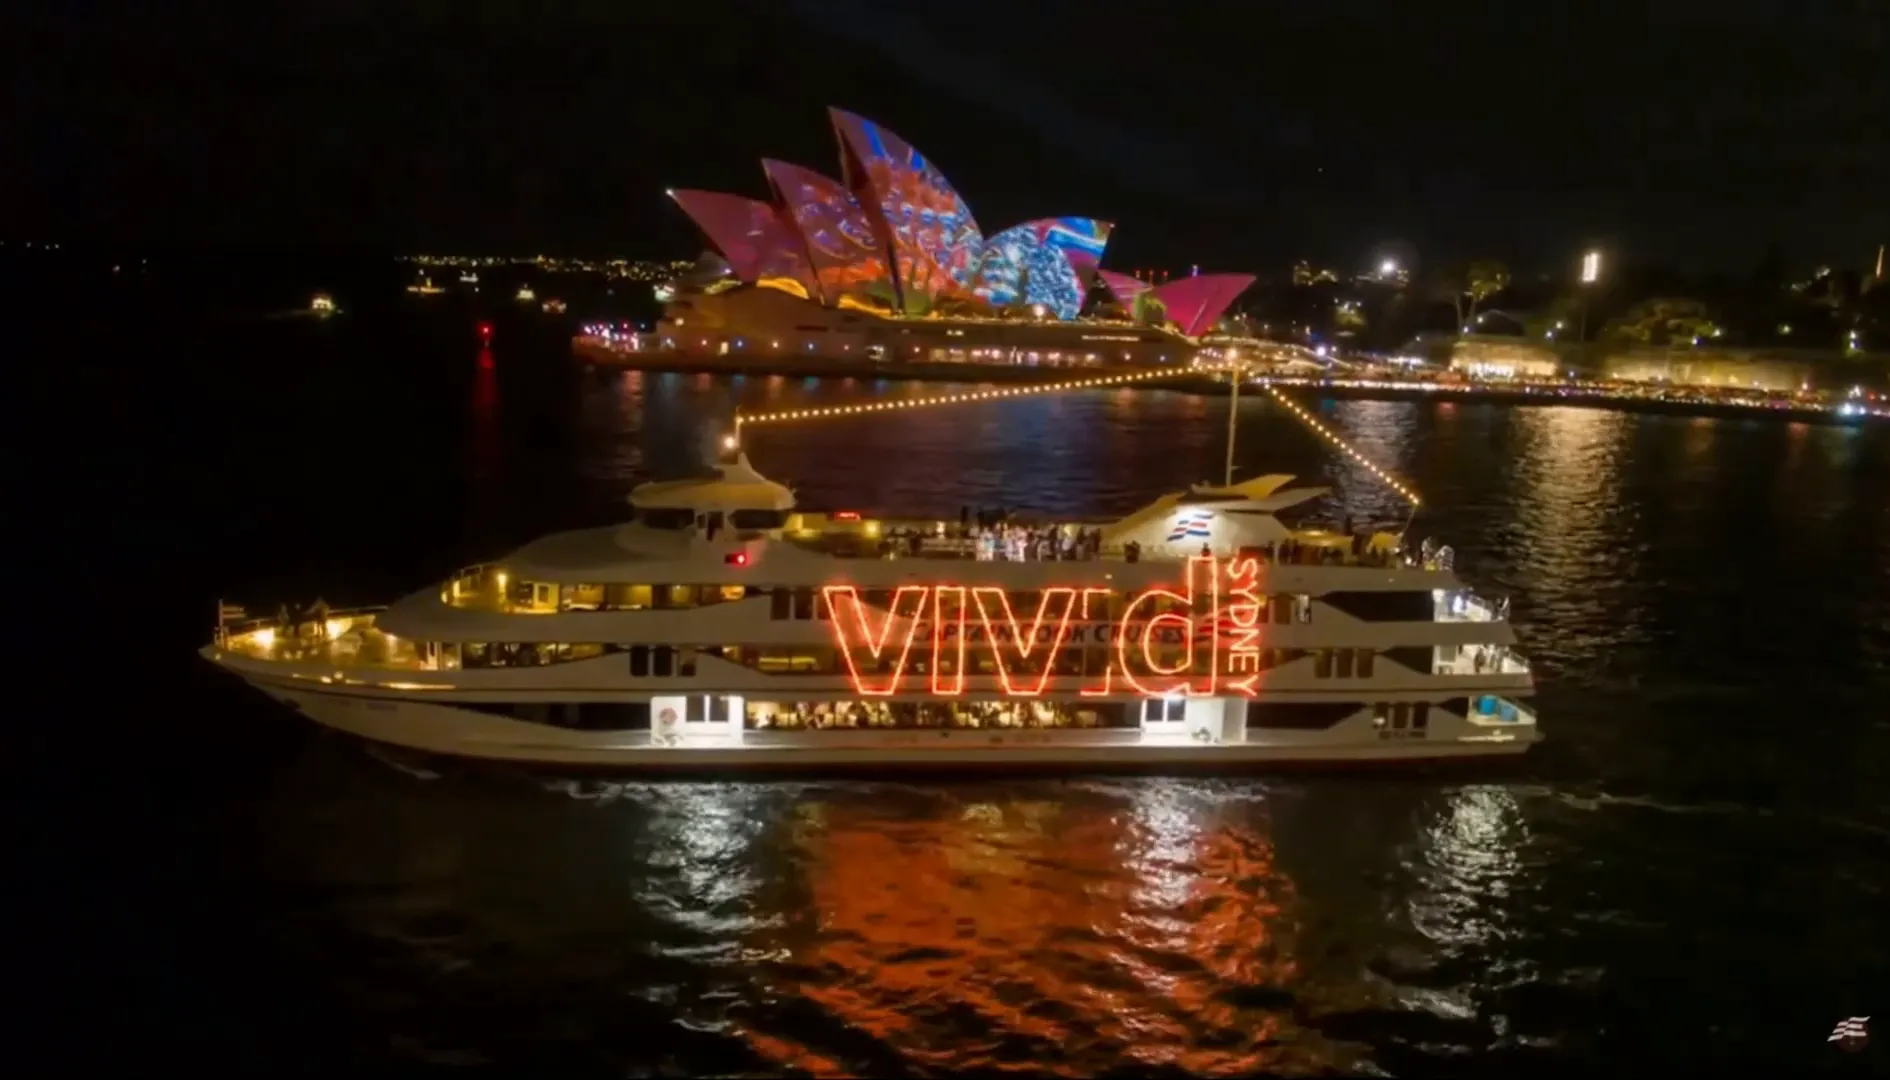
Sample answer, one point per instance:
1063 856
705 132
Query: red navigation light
736 558
846 515
485 329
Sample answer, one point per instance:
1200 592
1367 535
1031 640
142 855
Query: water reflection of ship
1114 925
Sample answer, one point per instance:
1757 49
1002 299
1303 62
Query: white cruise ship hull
724 631
441 729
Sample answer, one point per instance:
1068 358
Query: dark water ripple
1691 874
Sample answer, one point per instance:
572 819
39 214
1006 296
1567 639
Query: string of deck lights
948 399
1304 417
1348 449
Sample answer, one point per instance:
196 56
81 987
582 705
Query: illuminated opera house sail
892 237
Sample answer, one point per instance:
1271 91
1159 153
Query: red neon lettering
878 654
1140 651
948 610
1100 610
1243 624
849 612
1017 647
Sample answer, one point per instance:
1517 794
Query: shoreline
1185 382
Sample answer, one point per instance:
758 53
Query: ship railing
347 616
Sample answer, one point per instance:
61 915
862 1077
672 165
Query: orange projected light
1155 647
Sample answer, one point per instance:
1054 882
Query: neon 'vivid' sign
1153 646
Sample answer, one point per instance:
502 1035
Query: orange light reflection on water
1086 937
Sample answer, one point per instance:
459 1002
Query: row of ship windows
783 603
1409 720
665 661
810 604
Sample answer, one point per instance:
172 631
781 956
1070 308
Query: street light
1591 273
1591 267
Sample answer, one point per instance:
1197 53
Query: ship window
1365 659
677 596
1164 710
1322 664
778 602
1345 658
581 597
686 662
732 593
803 603
667 518
663 661
796 661
1069 659
1282 613
629 597
1400 716
1378 715
639 660
1421 715
757 519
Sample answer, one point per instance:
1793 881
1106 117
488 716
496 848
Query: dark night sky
1235 135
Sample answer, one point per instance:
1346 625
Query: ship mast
1233 417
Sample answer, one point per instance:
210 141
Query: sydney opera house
887 262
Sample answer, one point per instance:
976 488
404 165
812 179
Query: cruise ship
724 628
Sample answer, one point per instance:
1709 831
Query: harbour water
1690 875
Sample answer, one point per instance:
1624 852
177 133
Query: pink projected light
737 227
1195 303
839 238
1124 287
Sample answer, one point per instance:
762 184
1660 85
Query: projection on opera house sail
725 627
887 260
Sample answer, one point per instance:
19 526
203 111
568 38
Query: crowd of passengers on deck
991 536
